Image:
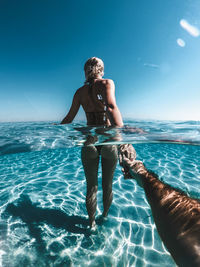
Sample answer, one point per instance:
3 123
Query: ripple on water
46 224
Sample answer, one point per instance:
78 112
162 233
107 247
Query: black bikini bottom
99 149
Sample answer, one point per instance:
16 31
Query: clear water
42 194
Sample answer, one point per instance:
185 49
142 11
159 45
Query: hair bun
94 67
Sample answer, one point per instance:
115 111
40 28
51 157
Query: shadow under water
39 222
34 216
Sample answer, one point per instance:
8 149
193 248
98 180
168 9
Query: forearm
73 110
177 220
152 185
175 214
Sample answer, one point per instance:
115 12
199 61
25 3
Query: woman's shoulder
106 82
81 89
98 82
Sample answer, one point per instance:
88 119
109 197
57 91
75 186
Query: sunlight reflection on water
42 198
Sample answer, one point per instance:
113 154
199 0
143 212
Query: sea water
44 220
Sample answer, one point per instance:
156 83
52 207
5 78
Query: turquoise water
42 194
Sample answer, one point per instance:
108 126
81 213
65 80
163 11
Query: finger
120 158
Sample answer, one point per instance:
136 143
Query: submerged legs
109 161
90 161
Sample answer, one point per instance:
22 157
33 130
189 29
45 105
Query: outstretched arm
176 215
112 108
73 110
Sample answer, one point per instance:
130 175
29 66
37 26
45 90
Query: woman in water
97 97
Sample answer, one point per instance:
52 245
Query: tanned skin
99 103
176 215
82 98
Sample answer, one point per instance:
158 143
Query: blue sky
151 49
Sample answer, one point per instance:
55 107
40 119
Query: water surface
42 194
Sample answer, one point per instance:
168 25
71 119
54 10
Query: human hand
127 156
131 167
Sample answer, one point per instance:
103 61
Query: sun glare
181 42
192 30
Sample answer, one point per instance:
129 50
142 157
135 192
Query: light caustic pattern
46 222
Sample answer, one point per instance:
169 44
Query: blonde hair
94 68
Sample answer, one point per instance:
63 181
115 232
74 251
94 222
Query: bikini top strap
90 82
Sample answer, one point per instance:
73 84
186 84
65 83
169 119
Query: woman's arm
113 112
73 110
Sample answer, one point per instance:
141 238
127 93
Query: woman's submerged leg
90 161
109 157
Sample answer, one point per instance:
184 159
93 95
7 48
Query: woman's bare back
98 101
93 101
